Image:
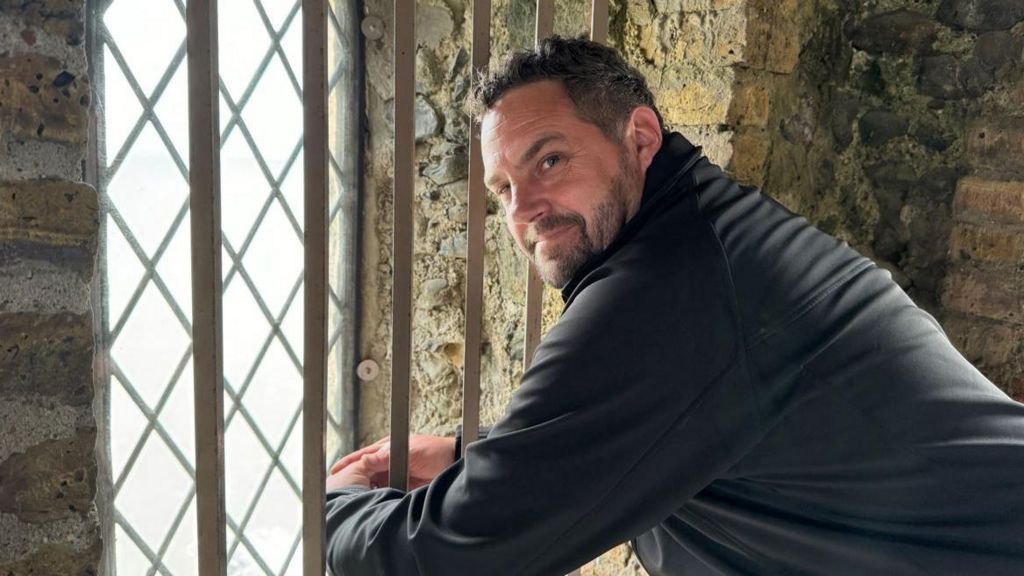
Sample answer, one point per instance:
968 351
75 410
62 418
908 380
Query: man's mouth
553 234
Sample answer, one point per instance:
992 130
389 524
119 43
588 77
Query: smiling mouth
553 234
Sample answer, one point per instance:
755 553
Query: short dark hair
603 88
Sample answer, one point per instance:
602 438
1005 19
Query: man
731 389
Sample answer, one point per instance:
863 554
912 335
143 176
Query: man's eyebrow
536 147
532 151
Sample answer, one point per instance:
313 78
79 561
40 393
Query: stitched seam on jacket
734 300
811 302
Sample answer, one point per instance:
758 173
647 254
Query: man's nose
527 204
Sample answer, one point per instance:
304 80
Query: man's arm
637 399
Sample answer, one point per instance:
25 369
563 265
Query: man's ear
646 131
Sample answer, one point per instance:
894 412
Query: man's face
566 188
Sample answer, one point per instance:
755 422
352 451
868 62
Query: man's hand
428 456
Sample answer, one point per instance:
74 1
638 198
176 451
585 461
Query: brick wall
48 232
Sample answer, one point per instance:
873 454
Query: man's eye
550 161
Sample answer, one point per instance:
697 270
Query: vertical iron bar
207 329
347 136
599 21
545 22
534 285
475 232
405 141
314 358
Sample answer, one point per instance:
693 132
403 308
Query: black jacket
739 393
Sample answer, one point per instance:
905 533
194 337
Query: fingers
353 457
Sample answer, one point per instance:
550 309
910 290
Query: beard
564 260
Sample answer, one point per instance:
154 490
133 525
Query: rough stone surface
899 31
29 159
988 243
990 200
48 232
997 144
51 212
41 99
48 355
981 15
26 422
50 481
989 294
55 559
879 126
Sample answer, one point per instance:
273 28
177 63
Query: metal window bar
477 215
207 330
402 247
315 126
206 261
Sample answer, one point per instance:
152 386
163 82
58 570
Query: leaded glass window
139 70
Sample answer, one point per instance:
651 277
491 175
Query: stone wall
897 126
893 124
48 231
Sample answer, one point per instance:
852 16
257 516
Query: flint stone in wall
900 32
449 169
454 246
999 51
950 78
981 15
433 25
50 481
427 120
879 126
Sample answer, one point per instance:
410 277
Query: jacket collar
670 165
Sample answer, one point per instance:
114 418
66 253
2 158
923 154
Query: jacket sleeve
636 400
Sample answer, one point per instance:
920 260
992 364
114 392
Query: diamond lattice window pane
124 272
175 267
295 566
291 456
148 34
150 346
293 191
278 10
274 259
275 393
154 491
126 429
292 326
117 95
275 522
148 190
291 44
243 43
182 556
244 189
245 331
172 109
130 560
245 464
274 117
178 414
242 562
